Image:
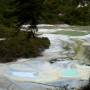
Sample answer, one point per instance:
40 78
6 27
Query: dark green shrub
15 47
6 31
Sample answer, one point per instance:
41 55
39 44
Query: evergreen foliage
28 11
19 47
18 12
67 11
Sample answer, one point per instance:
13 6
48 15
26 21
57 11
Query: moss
20 47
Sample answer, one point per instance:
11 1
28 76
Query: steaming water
55 67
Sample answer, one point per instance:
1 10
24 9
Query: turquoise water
70 73
23 74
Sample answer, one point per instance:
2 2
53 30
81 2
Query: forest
74 12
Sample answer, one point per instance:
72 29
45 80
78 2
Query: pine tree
28 12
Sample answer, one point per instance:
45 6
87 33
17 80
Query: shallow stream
65 64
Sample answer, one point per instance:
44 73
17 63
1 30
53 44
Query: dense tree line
18 12
67 11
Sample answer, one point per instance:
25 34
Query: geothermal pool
68 73
57 70
59 73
